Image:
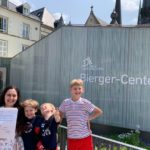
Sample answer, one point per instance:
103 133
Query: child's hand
39 146
57 115
56 111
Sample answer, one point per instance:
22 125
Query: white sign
8 117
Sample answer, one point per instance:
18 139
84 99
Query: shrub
132 137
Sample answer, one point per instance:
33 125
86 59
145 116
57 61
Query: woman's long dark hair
2 97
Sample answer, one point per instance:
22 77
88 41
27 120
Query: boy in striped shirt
78 111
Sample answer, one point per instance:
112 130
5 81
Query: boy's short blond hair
76 82
30 103
49 105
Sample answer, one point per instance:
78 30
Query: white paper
6 144
8 117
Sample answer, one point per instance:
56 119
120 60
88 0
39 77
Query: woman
10 97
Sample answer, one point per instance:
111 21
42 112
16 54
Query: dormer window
25 11
3 2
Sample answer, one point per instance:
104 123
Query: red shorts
80 144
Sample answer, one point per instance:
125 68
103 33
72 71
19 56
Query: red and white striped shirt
77 114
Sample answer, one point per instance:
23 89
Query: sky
77 11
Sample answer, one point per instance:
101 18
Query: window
26 31
3 2
3 48
24 47
25 11
3 24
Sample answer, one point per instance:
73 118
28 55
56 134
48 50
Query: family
37 126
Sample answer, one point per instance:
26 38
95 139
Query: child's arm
61 116
62 110
96 112
57 116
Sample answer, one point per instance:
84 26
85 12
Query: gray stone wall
114 63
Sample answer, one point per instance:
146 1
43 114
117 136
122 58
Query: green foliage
132 137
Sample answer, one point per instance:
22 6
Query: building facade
19 28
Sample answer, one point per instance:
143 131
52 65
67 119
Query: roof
102 22
12 7
25 4
38 13
46 17
93 20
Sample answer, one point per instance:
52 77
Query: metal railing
99 142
